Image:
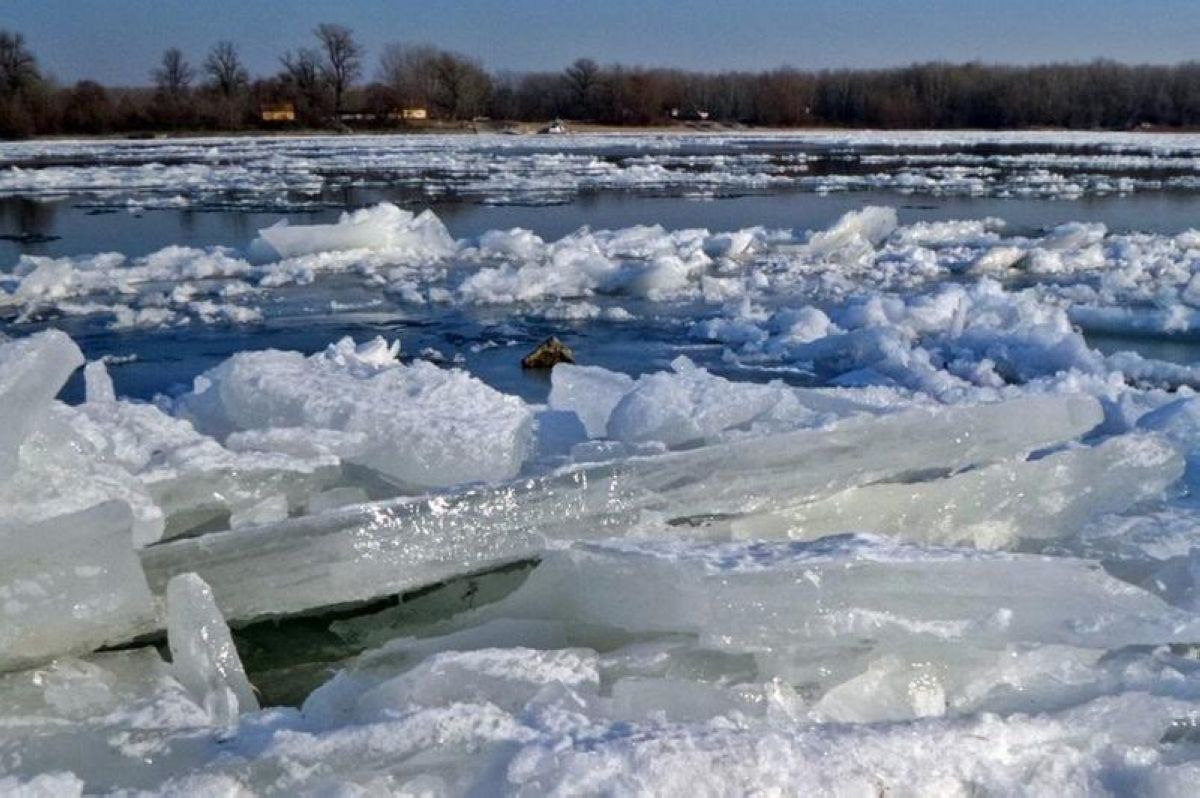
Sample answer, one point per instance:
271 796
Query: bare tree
410 72
302 77
342 59
583 78
225 71
18 67
174 77
87 108
302 70
463 86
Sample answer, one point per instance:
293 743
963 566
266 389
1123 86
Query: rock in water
549 354
203 656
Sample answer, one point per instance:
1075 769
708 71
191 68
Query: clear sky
119 41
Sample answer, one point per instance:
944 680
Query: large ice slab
770 598
70 584
385 548
420 425
32 371
994 506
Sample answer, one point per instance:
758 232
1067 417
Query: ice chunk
98 385
590 392
390 547
690 405
70 584
203 656
32 371
420 425
383 227
855 235
190 477
993 506
63 470
1179 421
890 689
334 498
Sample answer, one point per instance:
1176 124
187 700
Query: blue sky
118 41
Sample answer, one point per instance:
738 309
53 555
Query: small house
408 114
279 112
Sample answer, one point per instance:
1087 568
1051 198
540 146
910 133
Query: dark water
76 229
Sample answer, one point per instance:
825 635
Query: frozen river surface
873 475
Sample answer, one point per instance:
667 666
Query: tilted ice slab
32 372
203 657
388 548
993 506
70 584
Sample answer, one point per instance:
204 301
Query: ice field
873 477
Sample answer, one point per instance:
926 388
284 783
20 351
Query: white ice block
590 392
98 385
203 657
418 424
70 584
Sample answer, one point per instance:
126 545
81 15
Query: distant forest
331 85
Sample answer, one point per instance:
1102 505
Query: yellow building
409 114
280 112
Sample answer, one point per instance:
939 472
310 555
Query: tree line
329 85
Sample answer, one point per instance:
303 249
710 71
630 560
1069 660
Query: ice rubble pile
767 292
693 602
658 667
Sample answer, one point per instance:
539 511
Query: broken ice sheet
390 547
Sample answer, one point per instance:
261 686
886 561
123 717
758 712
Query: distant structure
408 115
556 127
279 112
